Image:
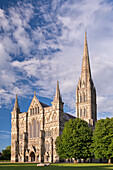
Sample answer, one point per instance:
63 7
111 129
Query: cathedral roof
44 105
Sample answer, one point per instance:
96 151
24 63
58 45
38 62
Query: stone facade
34 132
86 107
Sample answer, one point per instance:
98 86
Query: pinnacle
57 94
16 106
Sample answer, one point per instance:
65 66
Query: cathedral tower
86 107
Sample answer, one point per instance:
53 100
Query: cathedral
33 133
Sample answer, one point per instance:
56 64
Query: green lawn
65 166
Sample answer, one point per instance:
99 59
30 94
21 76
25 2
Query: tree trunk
109 161
90 160
100 160
75 161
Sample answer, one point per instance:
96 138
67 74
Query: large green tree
6 153
103 139
75 141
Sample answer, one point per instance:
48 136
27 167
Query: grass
60 166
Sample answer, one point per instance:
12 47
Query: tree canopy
6 153
102 145
75 141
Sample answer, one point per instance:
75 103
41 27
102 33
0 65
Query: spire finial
85 43
85 33
57 83
34 93
16 97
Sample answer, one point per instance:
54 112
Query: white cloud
4 134
3 131
27 46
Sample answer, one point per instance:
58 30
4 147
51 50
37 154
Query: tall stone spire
57 94
86 107
86 71
16 105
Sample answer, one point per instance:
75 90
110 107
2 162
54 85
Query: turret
57 102
16 107
15 131
57 94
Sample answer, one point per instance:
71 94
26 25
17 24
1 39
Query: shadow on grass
103 167
11 166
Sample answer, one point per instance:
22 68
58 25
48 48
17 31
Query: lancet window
20 149
30 111
80 98
30 130
34 110
34 128
47 147
80 112
84 112
84 97
38 129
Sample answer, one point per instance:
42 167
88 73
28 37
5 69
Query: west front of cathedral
33 133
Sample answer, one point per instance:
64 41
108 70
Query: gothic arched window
38 110
20 149
84 112
38 129
35 110
84 97
79 98
34 128
47 147
30 111
30 130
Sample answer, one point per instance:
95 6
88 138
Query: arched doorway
26 159
32 155
37 158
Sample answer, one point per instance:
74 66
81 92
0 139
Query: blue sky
42 42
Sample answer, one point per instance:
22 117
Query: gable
35 104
